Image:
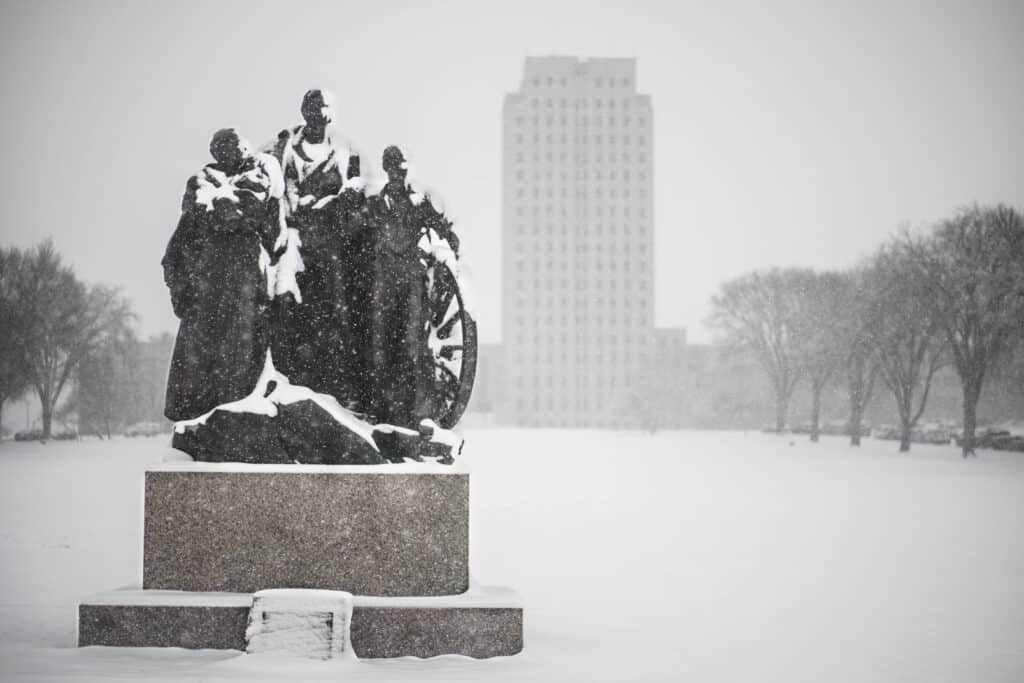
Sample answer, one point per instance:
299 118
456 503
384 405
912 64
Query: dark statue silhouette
319 324
212 267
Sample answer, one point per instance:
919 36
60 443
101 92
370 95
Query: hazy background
785 134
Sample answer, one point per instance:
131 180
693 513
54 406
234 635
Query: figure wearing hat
401 356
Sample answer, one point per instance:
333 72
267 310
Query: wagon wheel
452 340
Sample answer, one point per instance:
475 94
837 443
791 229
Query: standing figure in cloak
316 341
401 358
216 267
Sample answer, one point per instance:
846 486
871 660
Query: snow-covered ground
684 556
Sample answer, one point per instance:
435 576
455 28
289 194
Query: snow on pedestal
315 624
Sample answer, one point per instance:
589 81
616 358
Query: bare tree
820 299
14 379
973 267
860 362
760 311
904 334
60 321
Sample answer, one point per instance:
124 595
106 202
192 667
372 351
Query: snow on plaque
306 623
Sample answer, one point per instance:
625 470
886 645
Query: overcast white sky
784 134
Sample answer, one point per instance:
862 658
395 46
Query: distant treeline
944 301
75 347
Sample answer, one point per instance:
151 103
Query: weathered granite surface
481 623
219 528
379 632
187 626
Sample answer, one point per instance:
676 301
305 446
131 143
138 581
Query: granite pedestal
482 622
362 529
395 536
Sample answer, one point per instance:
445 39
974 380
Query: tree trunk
815 410
905 423
904 404
971 396
860 390
856 421
856 391
904 438
47 421
781 408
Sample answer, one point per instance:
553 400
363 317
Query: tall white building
577 243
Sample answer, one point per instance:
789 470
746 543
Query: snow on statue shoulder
319 324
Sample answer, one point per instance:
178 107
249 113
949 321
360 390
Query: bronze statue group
283 250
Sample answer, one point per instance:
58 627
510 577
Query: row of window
606 365
585 299
549 209
531 259
624 320
612 324
583 306
582 285
563 139
581 193
581 266
597 81
582 248
581 159
585 121
581 174
587 371
584 372
581 102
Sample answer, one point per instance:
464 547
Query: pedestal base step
482 622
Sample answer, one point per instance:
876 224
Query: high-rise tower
577 243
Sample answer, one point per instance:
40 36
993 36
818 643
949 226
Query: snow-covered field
684 556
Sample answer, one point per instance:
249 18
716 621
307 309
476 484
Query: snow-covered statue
402 364
215 267
319 324
320 337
